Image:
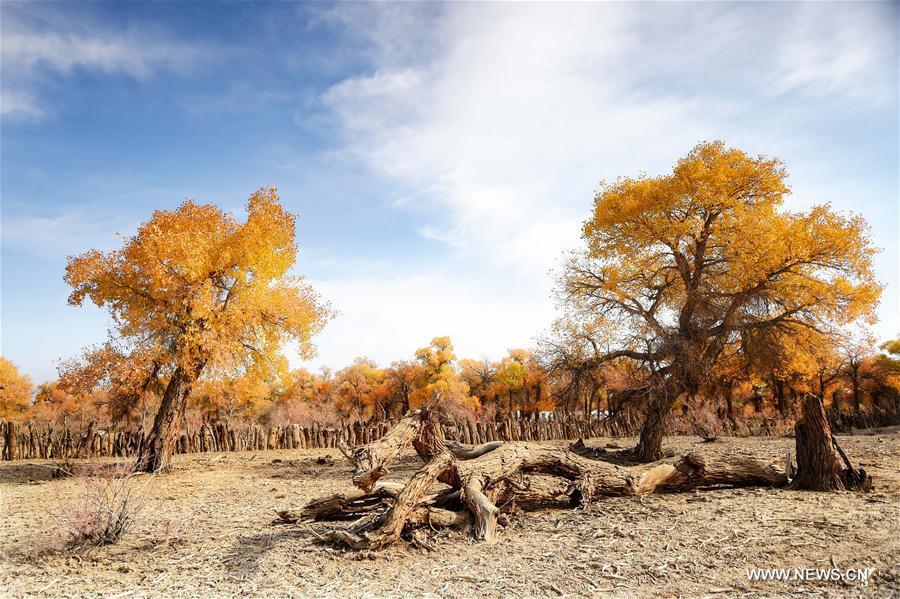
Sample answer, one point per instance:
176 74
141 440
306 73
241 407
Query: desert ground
208 529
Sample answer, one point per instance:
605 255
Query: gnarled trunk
818 468
156 453
497 478
649 447
729 405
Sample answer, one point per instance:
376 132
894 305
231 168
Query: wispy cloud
502 120
386 313
517 111
845 51
41 46
68 232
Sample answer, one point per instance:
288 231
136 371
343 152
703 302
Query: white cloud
39 46
504 117
848 52
20 104
69 232
508 129
64 52
386 316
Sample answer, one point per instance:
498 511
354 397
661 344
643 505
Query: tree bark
371 461
156 453
649 447
11 441
87 447
512 475
729 405
780 396
818 468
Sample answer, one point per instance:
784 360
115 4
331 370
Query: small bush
111 497
701 419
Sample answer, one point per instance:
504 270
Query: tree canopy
195 286
195 291
677 267
15 390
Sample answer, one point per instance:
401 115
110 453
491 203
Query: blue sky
441 156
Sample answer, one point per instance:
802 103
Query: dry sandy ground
206 530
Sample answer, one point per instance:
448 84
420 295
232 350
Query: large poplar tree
676 268
196 293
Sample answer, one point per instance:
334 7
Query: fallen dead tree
482 483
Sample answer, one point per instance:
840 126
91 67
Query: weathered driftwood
484 481
371 461
376 532
463 451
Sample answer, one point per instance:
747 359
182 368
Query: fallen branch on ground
482 482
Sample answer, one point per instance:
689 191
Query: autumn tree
576 379
439 373
856 366
201 293
308 397
128 381
247 396
511 381
15 391
481 378
885 368
790 360
53 404
359 392
677 267
535 383
400 382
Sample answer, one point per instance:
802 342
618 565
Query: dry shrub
170 533
487 413
110 498
702 419
767 422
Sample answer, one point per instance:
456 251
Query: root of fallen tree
483 483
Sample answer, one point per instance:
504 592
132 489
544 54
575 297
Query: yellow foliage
359 389
439 374
681 266
15 391
198 291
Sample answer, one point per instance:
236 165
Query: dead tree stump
818 467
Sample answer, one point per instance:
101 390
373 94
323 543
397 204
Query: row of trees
690 285
851 377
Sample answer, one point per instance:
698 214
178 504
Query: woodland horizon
692 288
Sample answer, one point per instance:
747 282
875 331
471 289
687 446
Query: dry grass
110 499
207 531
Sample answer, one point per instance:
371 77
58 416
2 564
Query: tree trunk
157 451
818 468
649 447
11 441
87 446
857 403
729 405
780 397
371 461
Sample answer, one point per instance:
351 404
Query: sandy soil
207 530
